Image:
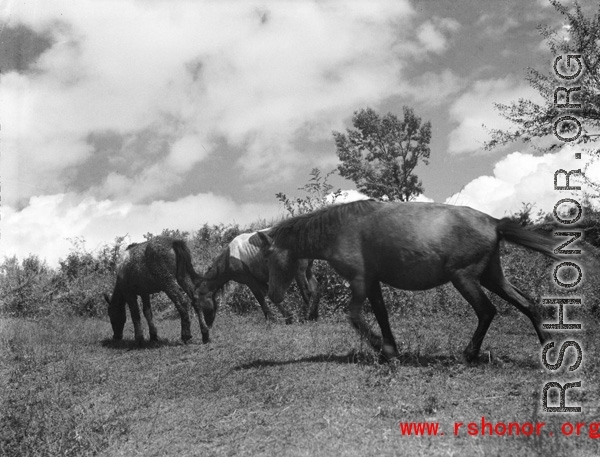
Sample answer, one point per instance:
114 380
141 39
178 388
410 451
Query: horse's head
206 297
282 267
117 314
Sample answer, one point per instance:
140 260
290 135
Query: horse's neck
223 273
218 282
314 249
312 252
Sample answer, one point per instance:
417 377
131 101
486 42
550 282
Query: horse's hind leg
148 315
493 279
188 288
470 288
176 295
134 310
389 349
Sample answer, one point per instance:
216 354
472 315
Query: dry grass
271 389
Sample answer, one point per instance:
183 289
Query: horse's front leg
259 294
315 297
309 289
387 347
201 321
260 291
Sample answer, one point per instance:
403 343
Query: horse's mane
316 230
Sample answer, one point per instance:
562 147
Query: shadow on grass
529 364
362 358
132 345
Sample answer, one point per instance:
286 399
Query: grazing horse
242 261
160 264
411 246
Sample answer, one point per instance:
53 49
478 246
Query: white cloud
422 198
433 34
346 196
524 178
436 88
475 108
186 152
497 26
251 72
45 226
190 74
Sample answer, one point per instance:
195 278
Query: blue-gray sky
123 117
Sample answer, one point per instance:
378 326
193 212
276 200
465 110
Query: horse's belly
137 283
145 288
416 283
413 277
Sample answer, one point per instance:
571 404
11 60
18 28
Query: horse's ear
265 239
106 297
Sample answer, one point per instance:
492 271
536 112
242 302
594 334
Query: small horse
410 246
160 264
242 261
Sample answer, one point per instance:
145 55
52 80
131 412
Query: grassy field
272 389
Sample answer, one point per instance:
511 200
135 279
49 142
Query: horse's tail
183 260
509 230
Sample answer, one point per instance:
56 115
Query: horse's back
417 246
246 248
146 267
431 222
428 224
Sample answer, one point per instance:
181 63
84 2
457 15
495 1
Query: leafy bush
23 286
75 287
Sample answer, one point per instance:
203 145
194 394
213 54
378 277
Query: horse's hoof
382 359
205 338
289 320
154 344
313 317
473 358
210 319
389 353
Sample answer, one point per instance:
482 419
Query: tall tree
579 36
381 153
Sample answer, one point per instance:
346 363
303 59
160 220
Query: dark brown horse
242 261
161 264
411 246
